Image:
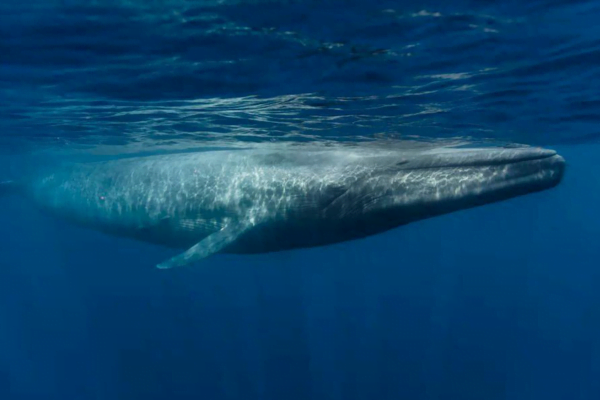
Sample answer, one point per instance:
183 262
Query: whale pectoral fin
208 246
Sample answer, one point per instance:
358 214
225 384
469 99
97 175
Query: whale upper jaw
477 157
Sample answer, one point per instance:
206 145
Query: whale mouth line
483 162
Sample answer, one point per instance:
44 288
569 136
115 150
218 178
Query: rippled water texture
148 74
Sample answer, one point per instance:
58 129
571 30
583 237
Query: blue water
498 302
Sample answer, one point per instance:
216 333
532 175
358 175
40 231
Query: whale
261 200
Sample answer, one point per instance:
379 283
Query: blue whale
271 199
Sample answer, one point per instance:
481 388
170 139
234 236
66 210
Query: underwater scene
299 199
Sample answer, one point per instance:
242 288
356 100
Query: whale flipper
208 246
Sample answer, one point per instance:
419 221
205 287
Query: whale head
432 183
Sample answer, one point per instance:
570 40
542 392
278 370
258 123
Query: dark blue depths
499 302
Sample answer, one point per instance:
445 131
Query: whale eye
403 162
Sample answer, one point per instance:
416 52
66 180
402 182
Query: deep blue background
499 302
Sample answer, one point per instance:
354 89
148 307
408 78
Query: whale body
265 200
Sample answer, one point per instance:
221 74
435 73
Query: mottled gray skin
287 198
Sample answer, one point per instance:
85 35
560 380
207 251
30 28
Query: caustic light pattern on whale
264 200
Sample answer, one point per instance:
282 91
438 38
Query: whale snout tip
558 159
559 165
548 153
534 153
550 170
550 162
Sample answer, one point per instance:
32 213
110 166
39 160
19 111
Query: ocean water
497 302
